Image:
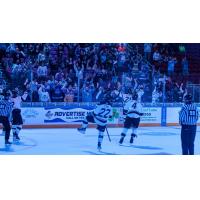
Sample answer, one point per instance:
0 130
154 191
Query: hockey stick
108 135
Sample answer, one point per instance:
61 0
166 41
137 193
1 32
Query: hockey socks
16 129
100 139
133 135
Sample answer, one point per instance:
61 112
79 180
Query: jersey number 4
134 105
104 113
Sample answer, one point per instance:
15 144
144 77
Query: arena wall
71 116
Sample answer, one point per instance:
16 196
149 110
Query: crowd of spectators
169 70
63 72
82 72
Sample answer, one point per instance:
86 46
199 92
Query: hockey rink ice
65 141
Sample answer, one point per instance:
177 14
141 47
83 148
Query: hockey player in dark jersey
132 112
99 116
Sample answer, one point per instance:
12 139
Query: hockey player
132 111
17 121
127 97
99 116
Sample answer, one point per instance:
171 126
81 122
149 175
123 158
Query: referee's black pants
6 125
188 133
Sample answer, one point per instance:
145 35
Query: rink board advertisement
62 115
152 115
74 115
33 115
173 114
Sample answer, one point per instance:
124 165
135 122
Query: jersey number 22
104 113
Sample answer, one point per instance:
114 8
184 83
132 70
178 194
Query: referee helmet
188 99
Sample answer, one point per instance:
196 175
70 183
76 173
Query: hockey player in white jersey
132 112
17 121
100 116
127 97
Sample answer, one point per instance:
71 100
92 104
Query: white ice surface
150 141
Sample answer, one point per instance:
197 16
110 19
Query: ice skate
122 138
99 146
16 137
81 130
7 142
132 138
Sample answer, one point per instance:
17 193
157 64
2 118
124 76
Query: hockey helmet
114 95
14 93
134 96
6 94
107 99
130 91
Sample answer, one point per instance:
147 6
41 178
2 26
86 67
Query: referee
188 117
5 114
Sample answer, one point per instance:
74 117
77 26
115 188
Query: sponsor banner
40 115
59 115
76 115
151 115
33 115
173 114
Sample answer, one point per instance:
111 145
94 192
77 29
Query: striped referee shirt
5 108
188 115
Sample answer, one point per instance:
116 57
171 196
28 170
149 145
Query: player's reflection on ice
7 148
142 147
18 146
10 148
